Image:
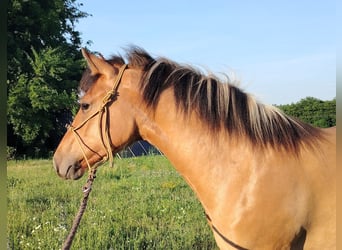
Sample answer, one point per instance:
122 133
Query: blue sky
279 51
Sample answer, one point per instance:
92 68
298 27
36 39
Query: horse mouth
75 171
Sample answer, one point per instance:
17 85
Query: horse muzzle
67 170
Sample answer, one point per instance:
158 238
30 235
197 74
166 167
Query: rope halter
103 113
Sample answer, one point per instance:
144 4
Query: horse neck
192 151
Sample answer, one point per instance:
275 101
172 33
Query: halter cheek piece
102 112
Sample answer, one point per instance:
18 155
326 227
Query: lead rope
222 236
86 191
103 111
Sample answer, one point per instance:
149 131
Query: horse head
104 123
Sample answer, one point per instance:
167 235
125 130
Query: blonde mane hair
220 105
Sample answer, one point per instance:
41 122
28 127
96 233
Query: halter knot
108 97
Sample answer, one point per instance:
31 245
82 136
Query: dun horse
265 180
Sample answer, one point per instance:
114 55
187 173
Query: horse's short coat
265 180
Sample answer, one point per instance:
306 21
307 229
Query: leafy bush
10 153
314 111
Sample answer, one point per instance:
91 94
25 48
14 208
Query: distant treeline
313 111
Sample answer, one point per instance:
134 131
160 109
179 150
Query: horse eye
85 106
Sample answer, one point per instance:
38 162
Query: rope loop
108 97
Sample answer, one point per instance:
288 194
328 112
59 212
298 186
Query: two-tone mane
220 105
265 180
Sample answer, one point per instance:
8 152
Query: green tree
314 111
38 102
44 67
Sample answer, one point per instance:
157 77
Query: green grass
143 204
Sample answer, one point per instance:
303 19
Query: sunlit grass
143 204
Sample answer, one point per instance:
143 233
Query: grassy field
143 204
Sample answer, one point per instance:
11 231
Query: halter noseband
102 112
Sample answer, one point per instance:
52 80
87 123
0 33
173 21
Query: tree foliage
314 111
44 67
37 102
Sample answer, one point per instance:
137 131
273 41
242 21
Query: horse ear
98 65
